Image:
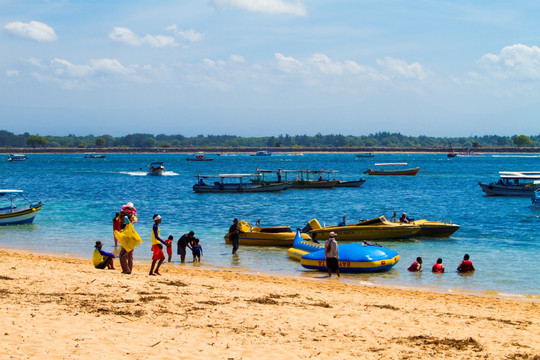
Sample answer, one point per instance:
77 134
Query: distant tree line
380 139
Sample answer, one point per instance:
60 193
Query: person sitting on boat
404 219
101 258
416 266
438 267
343 223
466 265
314 238
201 182
321 178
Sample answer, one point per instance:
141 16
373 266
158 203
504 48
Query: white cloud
237 59
126 36
187 35
516 61
288 64
94 67
34 30
265 6
401 69
12 73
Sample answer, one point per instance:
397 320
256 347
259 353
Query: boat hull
359 233
435 228
238 188
311 184
403 172
207 159
20 217
508 190
267 239
343 183
158 172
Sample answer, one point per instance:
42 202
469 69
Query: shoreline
348 281
281 150
63 308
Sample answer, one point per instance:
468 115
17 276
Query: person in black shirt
234 234
185 240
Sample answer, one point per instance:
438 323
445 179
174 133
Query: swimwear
332 264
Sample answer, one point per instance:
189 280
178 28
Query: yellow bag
128 237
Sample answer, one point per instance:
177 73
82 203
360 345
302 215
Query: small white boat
15 208
262 153
156 168
17 157
234 183
200 156
513 183
94 156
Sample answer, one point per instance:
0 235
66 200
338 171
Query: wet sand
56 307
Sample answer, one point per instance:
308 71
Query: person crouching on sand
157 246
101 258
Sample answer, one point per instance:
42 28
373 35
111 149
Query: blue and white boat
513 183
17 157
15 208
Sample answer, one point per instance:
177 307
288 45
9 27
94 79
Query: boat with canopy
15 208
513 183
234 183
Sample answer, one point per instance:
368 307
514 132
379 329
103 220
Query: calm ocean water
82 195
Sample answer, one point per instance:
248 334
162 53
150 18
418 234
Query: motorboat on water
373 229
200 156
365 155
156 168
392 169
262 153
17 157
430 228
513 183
265 236
94 156
15 208
353 258
234 183
350 183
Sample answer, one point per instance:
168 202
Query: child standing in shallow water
197 250
168 243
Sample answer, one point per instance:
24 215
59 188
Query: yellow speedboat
435 228
266 236
374 229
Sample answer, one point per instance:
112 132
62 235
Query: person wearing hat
331 254
101 258
157 246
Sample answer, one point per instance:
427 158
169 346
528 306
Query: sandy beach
56 307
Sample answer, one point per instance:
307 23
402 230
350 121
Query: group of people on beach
466 266
128 238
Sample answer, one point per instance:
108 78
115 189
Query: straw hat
332 234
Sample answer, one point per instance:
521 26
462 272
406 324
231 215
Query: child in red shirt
168 243
438 267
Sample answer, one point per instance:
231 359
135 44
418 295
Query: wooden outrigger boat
513 183
17 211
392 169
226 184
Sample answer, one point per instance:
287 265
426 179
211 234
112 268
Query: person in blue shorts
196 250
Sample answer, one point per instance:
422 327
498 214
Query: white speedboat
513 183
15 208
156 168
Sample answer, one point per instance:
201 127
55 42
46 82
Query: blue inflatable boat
352 257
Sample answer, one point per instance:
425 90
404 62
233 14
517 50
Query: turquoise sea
82 195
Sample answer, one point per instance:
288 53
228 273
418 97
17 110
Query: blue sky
270 67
